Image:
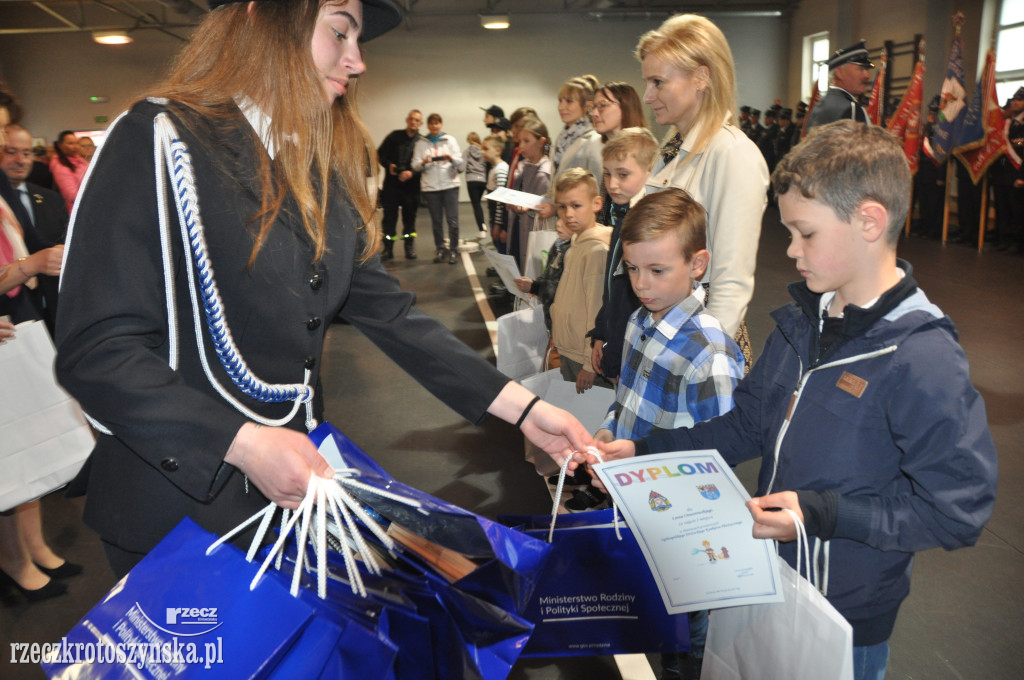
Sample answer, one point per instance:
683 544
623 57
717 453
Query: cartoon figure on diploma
710 552
658 502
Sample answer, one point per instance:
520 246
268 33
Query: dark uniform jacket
29 304
170 429
49 215
397 148
837 104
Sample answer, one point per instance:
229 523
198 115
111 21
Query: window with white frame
1010 49
816 54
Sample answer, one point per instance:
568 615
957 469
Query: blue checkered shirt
675 372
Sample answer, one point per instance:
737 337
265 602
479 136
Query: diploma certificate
687 512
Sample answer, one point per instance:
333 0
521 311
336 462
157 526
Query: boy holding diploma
679 366
860 406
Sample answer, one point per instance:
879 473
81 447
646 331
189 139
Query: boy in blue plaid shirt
680 366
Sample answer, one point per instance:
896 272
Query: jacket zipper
794 399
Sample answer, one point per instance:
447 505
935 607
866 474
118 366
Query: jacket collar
673 321
842 92
802 315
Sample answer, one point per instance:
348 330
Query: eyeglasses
602 105
24 153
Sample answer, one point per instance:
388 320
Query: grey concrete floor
964 618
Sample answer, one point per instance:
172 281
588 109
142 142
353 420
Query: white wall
451 66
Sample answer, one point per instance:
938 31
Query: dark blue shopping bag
595 594
337 644
194 611
441 631
402 635
509 560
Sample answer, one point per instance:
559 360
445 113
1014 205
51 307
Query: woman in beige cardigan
691 85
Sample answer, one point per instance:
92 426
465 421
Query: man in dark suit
849 77
41 212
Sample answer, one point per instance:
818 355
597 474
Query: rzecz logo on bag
185 621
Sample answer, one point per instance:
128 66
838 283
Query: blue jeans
869 662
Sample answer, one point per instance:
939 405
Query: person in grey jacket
439 160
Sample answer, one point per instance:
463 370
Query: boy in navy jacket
860 406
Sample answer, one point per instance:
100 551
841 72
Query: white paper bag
590 408
538 246
522 342
44 438
802 638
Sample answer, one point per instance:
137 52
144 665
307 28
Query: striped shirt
675 372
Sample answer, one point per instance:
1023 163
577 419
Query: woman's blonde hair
474 139
263 52
687 42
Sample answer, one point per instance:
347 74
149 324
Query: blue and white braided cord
179 166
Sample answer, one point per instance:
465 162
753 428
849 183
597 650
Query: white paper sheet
687 512
508 270
513 197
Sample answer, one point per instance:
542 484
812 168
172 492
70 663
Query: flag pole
983 221
945 203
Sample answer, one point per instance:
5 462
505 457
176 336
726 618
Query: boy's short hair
671 211
637 142
434 118
843 164
495 142
574 177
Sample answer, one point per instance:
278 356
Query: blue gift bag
191 614
441 631
511 559
337 644
595 594
402 635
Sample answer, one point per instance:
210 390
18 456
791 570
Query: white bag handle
558 494
322 494
818 579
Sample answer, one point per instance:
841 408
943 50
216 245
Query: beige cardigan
730 179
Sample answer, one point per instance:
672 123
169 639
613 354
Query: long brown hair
263 52
628 100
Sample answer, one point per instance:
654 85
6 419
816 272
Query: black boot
389 246
410 248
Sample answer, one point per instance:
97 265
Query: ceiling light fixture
112 37
494 21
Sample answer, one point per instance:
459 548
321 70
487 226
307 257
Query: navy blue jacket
889 423
618 299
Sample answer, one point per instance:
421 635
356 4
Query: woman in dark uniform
196 295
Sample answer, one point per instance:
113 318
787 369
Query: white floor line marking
482 303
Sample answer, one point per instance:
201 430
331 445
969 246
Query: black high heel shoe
51 589
66 570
